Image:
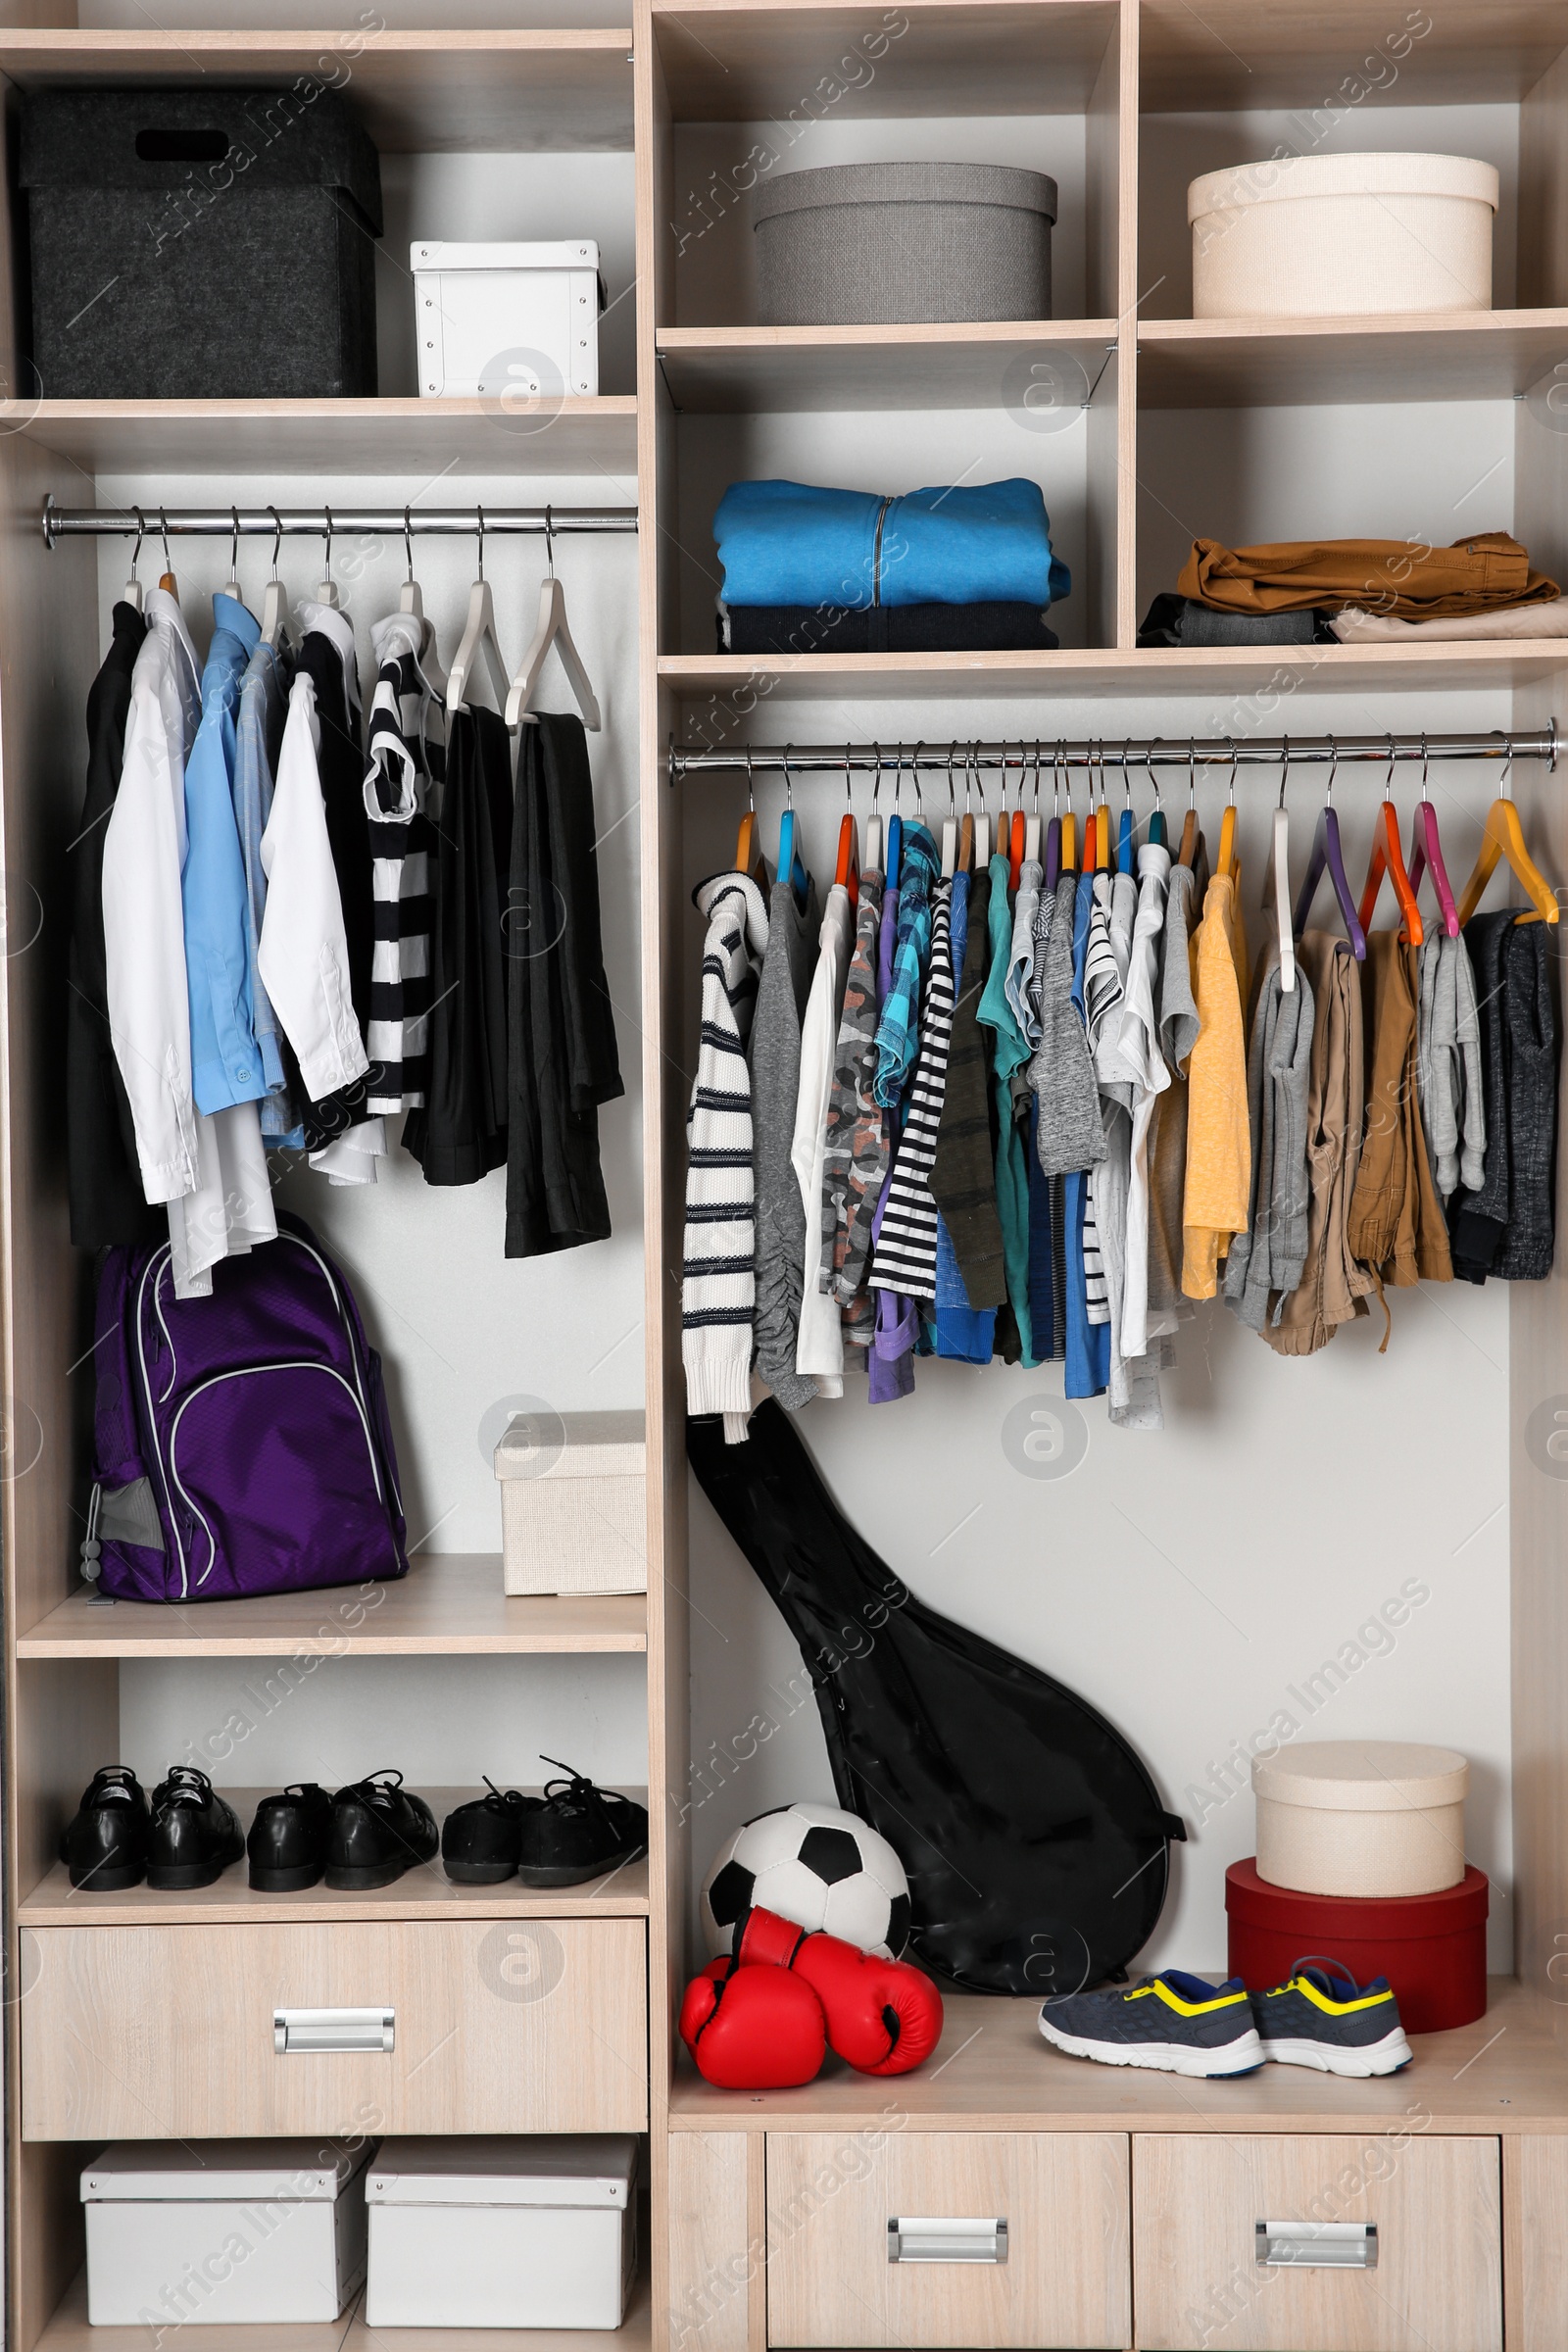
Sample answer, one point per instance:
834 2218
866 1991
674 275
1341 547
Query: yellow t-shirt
1219 1144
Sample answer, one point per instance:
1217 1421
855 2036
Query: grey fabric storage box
200 244
903 244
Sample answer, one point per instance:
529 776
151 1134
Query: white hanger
231 586
275 630
1280 867
950 824
479 633
872 851
409 598
132 589
327 593
982 823
553 630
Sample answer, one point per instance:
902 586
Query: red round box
1431 1947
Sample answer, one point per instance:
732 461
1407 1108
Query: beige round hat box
1361 1817
1312 236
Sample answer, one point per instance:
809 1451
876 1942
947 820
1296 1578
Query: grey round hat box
903 244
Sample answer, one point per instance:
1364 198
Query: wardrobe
1132 2203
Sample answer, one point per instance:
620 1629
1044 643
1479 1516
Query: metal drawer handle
921 2238
1318 2245
297 2032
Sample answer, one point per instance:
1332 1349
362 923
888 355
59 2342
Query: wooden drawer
499 2025
1063 2196
1437 2204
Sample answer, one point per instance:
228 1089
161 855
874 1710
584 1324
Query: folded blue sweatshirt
787 542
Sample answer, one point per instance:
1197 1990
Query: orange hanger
847 872
1188 851
1504 839
1090 843
1387 859
747 841
1015 853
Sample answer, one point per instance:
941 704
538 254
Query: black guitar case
1034 1838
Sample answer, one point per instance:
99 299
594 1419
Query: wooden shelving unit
722 368
449 438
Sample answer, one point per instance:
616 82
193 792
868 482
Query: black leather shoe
194 1835
578 1833
378 1831
105 1844
287 1843
481 1842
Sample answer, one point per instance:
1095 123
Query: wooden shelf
69 2332
443 438
992 2072
726 63
1294 362
449 1604
717 370
1232 53
424 1892
429 92
1244 669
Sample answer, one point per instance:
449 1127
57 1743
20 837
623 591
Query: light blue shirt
262 709
225 1060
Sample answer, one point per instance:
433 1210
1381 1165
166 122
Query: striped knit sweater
406 748
717 1272
906 1257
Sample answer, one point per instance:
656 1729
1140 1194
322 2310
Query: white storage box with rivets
507 321
223 2233
1376 1817
573 1502
526 2232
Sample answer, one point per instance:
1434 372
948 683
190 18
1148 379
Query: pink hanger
1426 850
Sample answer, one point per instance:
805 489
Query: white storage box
1311 236
528 2232
1362 1817
574 1495
499 321
223 2233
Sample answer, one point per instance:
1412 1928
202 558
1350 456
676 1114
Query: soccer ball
816 1866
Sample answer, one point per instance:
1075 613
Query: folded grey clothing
994 628
1179 621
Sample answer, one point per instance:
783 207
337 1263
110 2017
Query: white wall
465 1333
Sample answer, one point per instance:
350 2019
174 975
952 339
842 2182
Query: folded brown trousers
1400 580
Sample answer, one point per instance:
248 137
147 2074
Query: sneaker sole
1243 2056
1385 2057
286 1882
576 1874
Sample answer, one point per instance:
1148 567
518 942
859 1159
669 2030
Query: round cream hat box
1361 1817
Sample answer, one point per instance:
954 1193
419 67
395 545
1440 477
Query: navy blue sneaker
1323 2019
1174 2021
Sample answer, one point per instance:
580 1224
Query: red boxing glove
752 2028
883 2017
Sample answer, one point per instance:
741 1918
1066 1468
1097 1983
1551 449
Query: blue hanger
1124 837
894 821
1156 824
790 860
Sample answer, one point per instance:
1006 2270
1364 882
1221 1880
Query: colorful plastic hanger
1125 854
1387 859
1226 861
1156 824
749 858
894 821
1187 853
790 860
1504 839
1277 881
846 869
1053 829
1326 851
1031 825
1425 852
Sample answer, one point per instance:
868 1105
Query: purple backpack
241 1441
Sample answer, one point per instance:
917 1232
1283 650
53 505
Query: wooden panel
423 1892
69 2330
1110 425
1232 53
1438 2284
1543 188
740 61
1294 363
991 2070
429 92
1535 2243
449 1604
716 369
1066 2202
167 2032
228 437
714 2258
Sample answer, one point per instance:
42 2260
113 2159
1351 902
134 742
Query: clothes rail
1265 751
322 523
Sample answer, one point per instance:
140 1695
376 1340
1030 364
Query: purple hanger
1326 851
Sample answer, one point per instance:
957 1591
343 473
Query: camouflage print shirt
857 1160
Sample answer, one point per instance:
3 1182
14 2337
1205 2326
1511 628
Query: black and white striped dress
402 796
906 1258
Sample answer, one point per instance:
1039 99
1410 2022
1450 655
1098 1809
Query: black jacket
107 1203
461 1134
563 1061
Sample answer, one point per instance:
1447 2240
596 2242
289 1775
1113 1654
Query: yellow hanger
1504 839
1226 863
1069 829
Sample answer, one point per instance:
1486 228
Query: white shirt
1140 1053
819 1338
144 937
304 954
